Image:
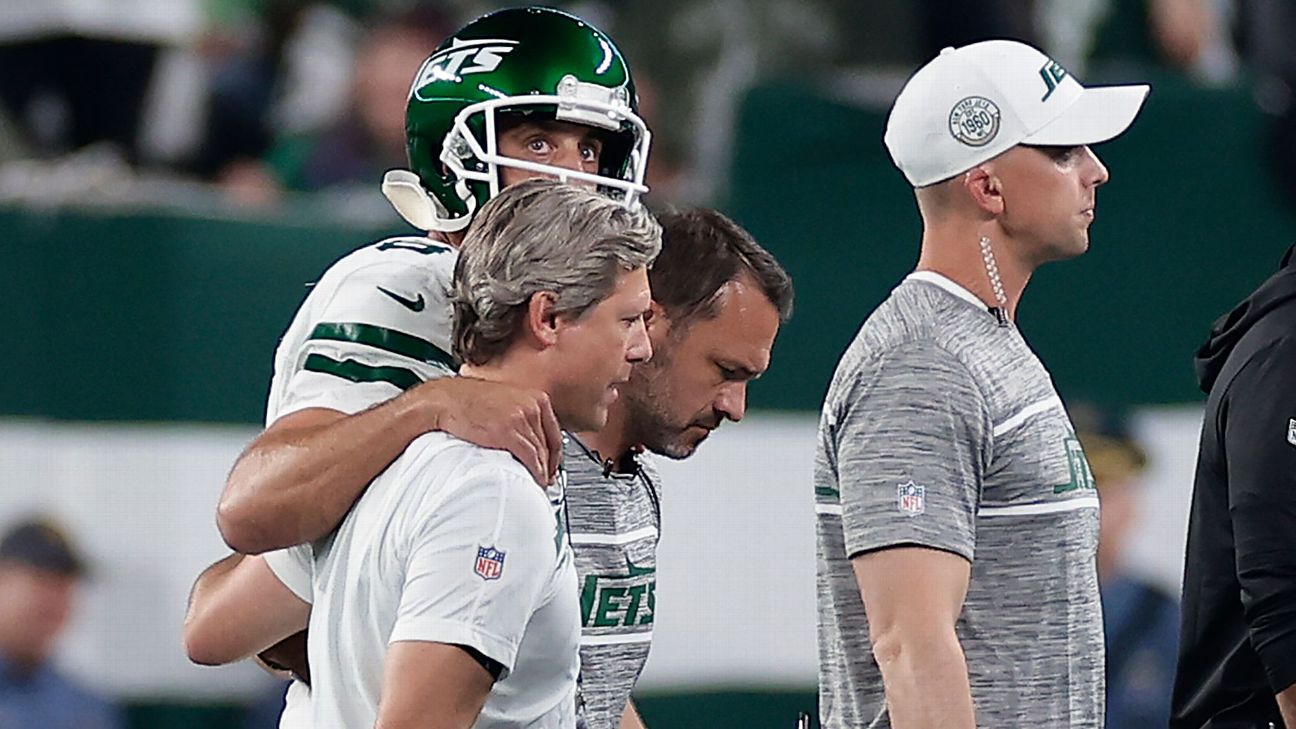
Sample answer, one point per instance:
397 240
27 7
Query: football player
360 372
447 597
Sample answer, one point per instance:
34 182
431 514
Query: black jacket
1238 639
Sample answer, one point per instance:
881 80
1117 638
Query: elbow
888 646
233 523
895 646
239 523
202 644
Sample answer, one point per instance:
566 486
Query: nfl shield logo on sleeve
911 499
490 563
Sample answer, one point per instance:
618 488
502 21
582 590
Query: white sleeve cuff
293 568
454 633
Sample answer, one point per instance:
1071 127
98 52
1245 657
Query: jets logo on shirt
490 563
911 499
1081 475
619 600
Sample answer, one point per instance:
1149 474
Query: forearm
1287 705
295 484
926 682
209 581
630 717
236 608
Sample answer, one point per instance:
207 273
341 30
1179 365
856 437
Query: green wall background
160 315
1186 227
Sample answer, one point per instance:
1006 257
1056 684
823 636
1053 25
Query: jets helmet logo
460 59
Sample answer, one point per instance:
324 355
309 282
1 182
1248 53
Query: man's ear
985 189
542 319
656 321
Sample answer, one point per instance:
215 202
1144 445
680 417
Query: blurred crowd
264 98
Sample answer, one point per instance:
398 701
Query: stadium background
141 315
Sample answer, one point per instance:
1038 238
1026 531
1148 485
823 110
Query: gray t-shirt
942 429
613 522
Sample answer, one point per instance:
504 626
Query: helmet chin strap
406 194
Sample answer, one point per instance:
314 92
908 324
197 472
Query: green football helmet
538 62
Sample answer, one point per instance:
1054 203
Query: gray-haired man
449 590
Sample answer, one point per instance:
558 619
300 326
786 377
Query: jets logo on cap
974 121
1052 73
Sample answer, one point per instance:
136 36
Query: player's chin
686 442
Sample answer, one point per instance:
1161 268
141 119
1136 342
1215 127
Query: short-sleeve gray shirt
614 521
942 429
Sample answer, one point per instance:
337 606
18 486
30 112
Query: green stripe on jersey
390 340
827 491
356 372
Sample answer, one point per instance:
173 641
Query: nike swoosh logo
415 305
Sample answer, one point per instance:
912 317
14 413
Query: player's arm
238 606
298 479
913 596
432 686
1260 439
630 717
1287 705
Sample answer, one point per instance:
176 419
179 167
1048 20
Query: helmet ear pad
441 181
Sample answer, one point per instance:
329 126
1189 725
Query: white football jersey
453 544
378 322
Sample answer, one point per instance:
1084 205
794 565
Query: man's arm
913 596
1260 442
630 717
1287 705
298 479
431 686
238 607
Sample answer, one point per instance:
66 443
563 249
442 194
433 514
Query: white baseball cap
971 104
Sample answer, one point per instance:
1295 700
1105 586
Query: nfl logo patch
911 499
490 563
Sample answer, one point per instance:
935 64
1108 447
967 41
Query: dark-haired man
718 301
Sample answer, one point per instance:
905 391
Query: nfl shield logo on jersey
490 563
911 499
